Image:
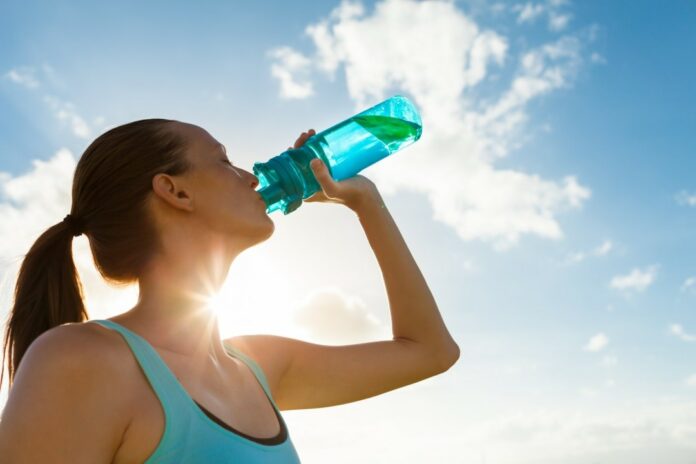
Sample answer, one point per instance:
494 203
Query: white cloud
637 279
689 283
691 381
604 248
289 64
470 195
575 257
678 331
597 343
528 11
685 198
63 111
24 76
597 58
579 256
623 432
34 201
331 316
558 22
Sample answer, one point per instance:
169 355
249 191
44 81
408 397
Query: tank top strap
161 378
255 368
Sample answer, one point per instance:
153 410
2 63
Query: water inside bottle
347 148
393 132
363 140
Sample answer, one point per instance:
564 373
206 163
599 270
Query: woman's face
224 195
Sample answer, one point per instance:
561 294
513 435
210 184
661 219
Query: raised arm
307 375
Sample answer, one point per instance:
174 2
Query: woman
163 207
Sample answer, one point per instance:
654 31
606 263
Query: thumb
319 168
321 172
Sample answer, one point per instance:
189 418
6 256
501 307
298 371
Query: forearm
414 312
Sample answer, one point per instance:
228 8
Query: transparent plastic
346 148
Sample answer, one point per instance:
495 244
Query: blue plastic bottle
346 148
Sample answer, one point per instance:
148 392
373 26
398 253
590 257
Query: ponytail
48 293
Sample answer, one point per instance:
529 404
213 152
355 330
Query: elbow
449 357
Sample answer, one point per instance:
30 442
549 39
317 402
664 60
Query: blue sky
551 202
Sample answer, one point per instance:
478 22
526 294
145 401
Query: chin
271 227
266 230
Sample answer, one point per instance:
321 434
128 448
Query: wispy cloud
686 198
597 343
24 76
637 279
597 58
620 433
66 112
558 22
579 256
63 111
678 331
529 12
604 248
469 135
691 381
689 284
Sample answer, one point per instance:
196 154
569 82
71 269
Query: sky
550 202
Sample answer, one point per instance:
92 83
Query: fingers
302 138
319 169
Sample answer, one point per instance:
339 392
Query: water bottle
346 149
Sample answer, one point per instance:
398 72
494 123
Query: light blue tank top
190 436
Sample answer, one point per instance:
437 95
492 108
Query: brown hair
110 192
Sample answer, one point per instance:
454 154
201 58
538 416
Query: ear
173 190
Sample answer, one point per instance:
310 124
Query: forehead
197 136
201 146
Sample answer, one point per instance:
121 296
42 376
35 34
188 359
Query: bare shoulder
68 397
79 345
268 352
89 339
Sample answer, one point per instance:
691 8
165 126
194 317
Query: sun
219 301
256 297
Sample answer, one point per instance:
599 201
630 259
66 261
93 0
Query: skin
217 204
206 218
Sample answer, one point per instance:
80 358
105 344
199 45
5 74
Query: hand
351 192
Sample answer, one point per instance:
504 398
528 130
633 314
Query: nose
254 181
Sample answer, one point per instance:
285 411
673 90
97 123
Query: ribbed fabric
192 437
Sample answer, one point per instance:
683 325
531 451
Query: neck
172 309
